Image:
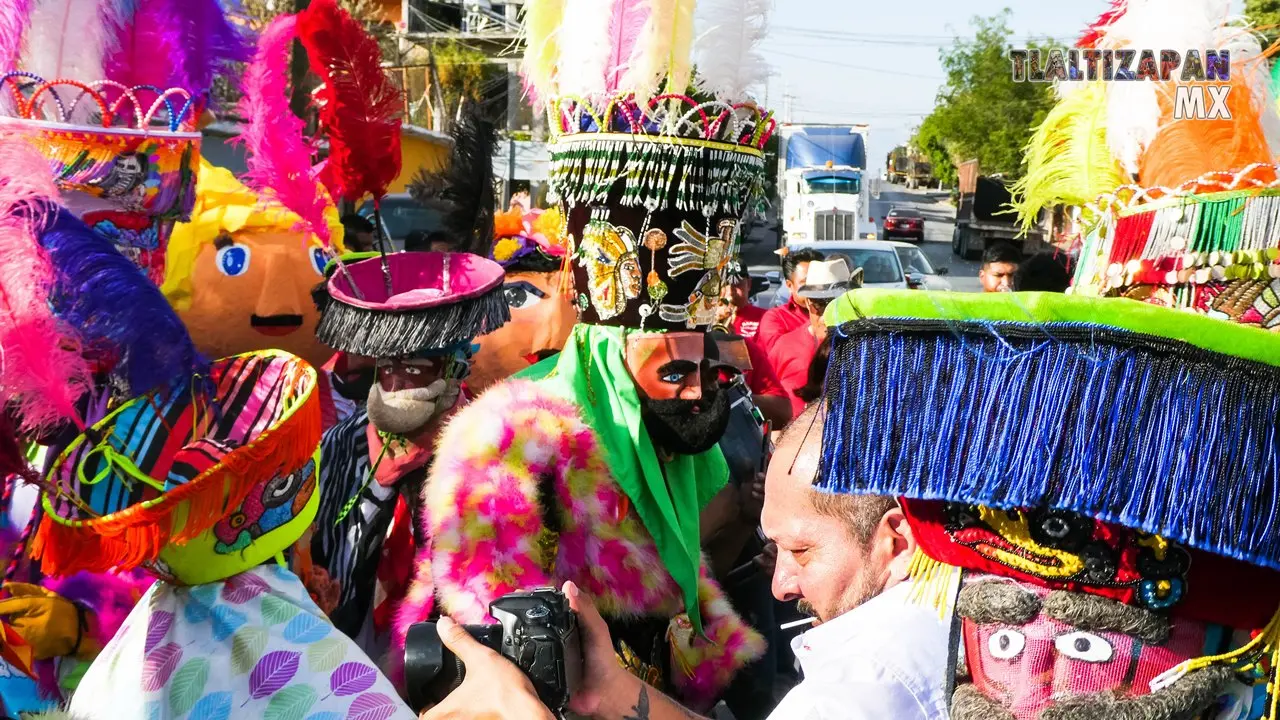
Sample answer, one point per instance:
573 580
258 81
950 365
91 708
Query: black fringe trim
386 333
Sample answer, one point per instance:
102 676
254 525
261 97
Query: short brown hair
860 513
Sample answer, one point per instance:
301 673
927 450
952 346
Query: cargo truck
823 183
983 215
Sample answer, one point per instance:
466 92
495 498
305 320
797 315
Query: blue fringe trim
1132 429
116 310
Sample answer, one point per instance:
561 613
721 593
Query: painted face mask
1036 654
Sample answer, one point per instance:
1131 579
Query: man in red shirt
781 320
738 312
825 281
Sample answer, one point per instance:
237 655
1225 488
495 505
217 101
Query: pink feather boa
487 538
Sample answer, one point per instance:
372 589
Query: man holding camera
873 653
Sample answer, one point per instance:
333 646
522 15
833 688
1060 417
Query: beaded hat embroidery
655 169
1099 460
114 107
1177 210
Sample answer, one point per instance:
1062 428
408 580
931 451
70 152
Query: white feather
729 33
1248 61
1133 108
65 40
585 46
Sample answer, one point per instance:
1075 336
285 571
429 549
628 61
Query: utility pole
788 105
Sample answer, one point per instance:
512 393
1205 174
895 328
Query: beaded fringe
688 178
1131 429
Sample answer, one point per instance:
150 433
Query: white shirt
884 659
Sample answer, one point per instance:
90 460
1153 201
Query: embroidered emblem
699 253
613 267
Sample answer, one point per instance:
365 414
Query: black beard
674 427
357 387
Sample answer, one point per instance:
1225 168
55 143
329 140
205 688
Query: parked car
918 267
401 215
904 222
888 265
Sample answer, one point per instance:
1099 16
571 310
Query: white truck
823 183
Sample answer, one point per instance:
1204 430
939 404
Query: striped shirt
350 551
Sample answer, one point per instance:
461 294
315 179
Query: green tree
981 112
1264 14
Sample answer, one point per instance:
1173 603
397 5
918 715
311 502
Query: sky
851 61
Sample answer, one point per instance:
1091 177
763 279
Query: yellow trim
656 140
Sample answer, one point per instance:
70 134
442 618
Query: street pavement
939 222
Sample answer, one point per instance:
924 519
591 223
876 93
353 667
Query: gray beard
403 412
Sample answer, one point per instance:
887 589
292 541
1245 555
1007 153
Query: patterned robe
520 497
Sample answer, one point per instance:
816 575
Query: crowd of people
258 462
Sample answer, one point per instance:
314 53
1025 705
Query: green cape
592 372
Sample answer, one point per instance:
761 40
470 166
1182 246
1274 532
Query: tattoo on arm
641 708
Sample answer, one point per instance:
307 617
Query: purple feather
119 313
172 43
212 42
15 15
629 17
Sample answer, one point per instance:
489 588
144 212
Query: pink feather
15 15
146 45
629 17
279 156
40 365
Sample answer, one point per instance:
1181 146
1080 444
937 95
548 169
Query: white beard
405 412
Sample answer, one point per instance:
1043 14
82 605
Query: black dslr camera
537 631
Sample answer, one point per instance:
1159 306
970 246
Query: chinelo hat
192 487
119 123
1091 481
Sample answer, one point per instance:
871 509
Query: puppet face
541 319
1028 649
252 291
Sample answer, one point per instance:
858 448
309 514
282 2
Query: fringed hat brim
386 333
1146 417
136 535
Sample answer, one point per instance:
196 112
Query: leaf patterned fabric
254 645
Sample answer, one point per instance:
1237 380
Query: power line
834 63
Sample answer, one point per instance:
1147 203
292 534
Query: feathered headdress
42 373
463 191
360 109
279 156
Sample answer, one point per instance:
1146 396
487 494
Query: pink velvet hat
410 303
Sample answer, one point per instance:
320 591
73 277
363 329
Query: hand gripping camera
537 631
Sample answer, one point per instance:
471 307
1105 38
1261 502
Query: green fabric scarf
592 372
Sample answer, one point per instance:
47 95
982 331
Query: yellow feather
680 66
1068 161
542 19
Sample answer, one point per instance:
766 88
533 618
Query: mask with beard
675 427
405 412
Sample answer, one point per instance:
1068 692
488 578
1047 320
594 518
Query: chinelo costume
100 142
1091 480
555 475
196 472
1103 472
418 328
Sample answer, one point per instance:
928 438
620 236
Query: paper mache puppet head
530 246
241 273
1091 467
